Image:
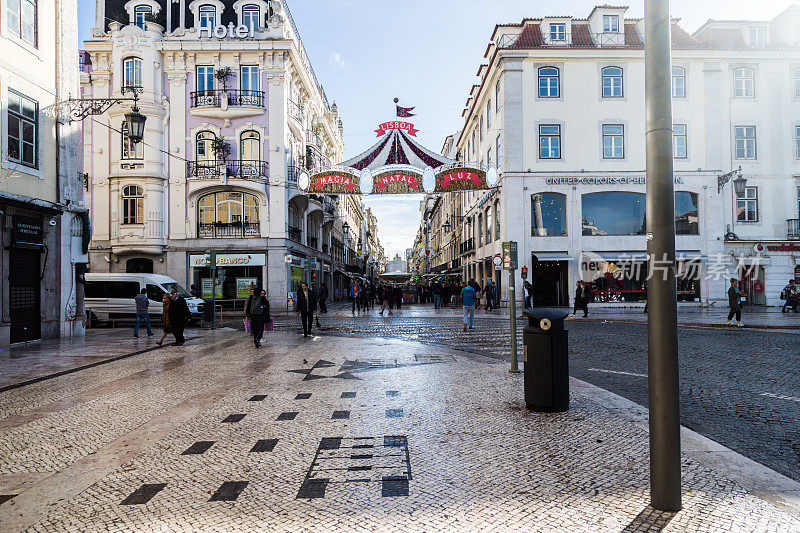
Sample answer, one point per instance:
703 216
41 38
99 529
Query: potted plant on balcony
222 150
223 75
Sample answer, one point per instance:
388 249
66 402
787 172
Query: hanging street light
446 225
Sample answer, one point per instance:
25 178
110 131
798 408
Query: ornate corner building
234 114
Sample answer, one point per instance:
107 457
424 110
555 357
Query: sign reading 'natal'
460 179
335 182
396 125
397 182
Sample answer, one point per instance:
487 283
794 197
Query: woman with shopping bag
256 314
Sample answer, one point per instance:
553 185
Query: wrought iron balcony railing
295 110
313 139
311 242
794 228
237 169
557 39
232 97
292 172
467 246
228 230
295 234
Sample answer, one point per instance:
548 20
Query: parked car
111 296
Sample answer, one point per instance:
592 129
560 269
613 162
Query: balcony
467 246
224 170
311 242
295 234
794 228
296 111
226 104
228 230
313 139
292 172
324 248
610 39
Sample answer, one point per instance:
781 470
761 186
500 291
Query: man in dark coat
305 305
178 315
735 302
256 309
322 297
581 299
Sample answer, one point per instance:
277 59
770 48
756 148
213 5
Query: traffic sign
498 262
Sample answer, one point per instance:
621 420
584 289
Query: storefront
241 272
764 269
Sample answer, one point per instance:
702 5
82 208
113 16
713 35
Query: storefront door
25 288
550 283
751 279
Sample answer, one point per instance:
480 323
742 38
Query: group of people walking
174 315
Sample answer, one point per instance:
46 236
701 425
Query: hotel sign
603 180
230 31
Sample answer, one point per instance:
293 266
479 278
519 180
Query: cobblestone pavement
333 434
738 387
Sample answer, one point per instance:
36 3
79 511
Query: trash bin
545 358
208 312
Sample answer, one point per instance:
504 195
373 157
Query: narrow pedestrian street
341 433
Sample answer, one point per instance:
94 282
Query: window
23 129
251 17
548 82
473 142
132 205
612 82
22 19
205 147
250 146
678 82
488 158
488 225
208 17
610 23
230 208
744 83
548 214
797 142
613 141
132 72
480 230
497 91
679 141
123 289
747 205
558 32
745 142
613 213
549 141
481 127
205 79
497 151
687 218
497 219
489 113
758 37
248 79
797 83
140 14
130 149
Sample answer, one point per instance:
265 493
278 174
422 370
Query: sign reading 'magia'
335 182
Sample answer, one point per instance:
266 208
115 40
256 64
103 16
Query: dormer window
610 23
141 14
208 17
758 37
558 32
251 17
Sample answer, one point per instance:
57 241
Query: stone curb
762 482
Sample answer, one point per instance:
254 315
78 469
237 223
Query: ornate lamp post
80 108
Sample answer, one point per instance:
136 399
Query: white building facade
559 110
234 114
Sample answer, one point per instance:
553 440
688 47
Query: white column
176 205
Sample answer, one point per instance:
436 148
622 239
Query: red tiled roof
681 39
632 37
531 37
724 39
581 38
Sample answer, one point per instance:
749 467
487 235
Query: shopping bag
246 325
269 325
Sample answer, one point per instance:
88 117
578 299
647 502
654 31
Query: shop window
678 82
744 83
132 205
747 205
612 82
687 217
548 214
132 72
548 82
687 276
613 213
619 281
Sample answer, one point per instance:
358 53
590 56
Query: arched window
251 17
250 147
132 204
228 214
613 213
205 147
548 82
548 214
678 82
130 149
140 14
797 83
612 82
132 72
744 82
208 17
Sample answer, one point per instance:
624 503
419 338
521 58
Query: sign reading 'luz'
460 179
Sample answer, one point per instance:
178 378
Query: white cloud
398 221
337 60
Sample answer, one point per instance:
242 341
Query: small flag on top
403 112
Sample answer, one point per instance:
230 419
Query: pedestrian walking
528 288
256 311
735 302
323 297
488 293
581 299
468 295
178 315
398 296
364 296
790 296
436 289
384 296
165 303
142 314
305 305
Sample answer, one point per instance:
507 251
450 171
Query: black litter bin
546 368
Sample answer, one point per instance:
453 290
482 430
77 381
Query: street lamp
738 183
446 225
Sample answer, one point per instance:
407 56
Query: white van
109 295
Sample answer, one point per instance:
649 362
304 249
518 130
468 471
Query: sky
427 54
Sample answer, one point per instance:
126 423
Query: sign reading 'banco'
602 180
